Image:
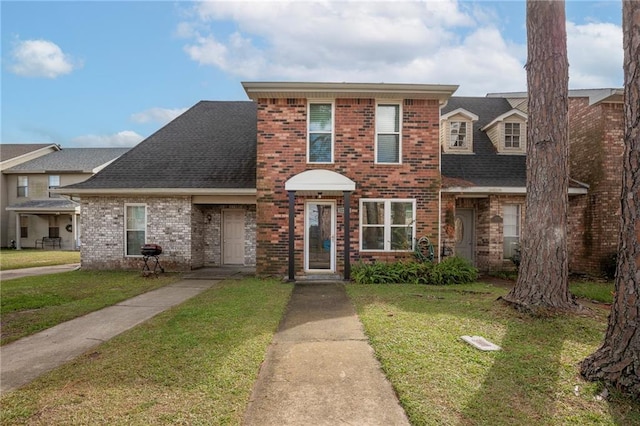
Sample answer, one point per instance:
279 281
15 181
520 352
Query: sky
111 73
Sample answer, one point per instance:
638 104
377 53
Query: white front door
319 237
233 237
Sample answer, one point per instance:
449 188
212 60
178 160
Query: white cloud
595 55
446 42
126 138
157 115
40 58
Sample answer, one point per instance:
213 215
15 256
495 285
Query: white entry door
233 237
320 241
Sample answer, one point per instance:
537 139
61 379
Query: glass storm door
320 236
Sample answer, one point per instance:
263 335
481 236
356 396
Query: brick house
308 178
32 208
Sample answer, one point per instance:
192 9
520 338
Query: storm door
464 232
320 245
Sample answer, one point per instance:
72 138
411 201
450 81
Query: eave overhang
310 90
487 190
155 191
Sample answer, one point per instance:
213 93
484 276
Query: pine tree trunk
543 279
617 362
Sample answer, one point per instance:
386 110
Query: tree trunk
617 362
543 279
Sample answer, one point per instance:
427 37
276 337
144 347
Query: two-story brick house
345 172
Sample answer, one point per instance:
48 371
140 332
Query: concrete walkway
28 358
320 369
40 270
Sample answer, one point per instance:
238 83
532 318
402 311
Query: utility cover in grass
481 343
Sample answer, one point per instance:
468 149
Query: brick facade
282 154
188 239
596 149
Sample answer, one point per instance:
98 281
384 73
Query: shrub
453 270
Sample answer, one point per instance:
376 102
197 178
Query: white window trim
504 137
26 187
126 205
518 225
400 123
467 136
387 223
333 129
52 195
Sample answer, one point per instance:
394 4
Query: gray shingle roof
13 150
211 145
486 167
48 204
70 160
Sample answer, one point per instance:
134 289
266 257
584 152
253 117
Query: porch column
18 245
74 225
292 225
347 236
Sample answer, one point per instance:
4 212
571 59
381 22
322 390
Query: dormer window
508 132
456 131
512 135
458 134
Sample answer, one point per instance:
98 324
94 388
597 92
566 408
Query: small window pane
401 238
388 148
373 213
135 241
320 118
373 238
387 119
401 213
319 148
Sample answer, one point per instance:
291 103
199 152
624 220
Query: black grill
151 250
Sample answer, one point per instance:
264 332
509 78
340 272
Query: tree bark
617 362
542 283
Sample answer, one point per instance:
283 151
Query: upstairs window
320 145
387 225
512 135
388 148
135 228
23 186
54 183
458 134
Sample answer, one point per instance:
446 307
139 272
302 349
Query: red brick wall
596 148
281 154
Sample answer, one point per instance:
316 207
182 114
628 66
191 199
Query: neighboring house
190 187
484 181
12 155
308 178
34 209
596 147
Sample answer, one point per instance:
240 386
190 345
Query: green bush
452 270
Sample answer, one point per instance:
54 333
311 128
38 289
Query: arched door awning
319 180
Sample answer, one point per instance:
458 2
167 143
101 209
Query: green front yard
196 363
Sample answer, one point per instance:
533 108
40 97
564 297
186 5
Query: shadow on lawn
533 380
522 385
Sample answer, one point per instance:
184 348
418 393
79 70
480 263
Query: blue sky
110 73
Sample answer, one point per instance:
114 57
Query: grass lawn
32 304
193 364
28 258
440 380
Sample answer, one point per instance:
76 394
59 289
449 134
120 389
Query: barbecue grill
151 253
